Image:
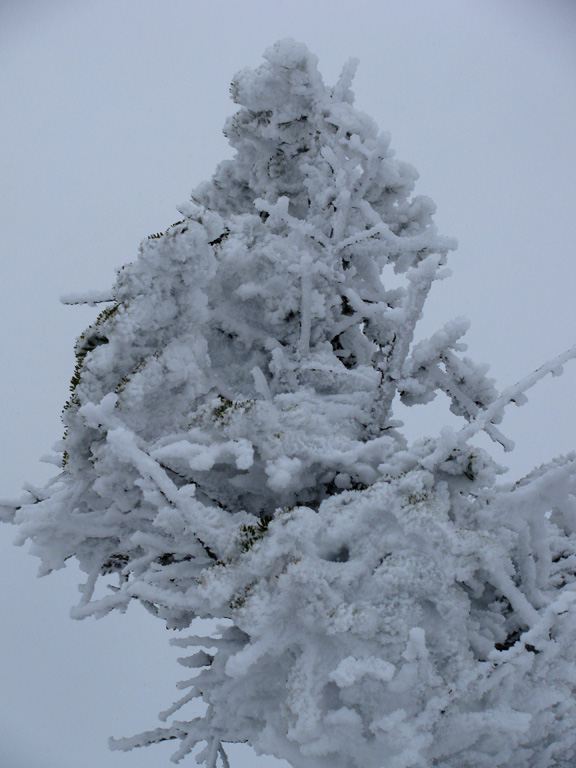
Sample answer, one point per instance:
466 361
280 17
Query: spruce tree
231 453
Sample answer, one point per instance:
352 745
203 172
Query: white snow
231 452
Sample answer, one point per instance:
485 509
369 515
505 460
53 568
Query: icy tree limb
91 298
515 394
420 280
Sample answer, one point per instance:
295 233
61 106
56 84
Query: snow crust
231 452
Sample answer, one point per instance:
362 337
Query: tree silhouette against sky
231 452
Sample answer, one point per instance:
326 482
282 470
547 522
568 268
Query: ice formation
231 453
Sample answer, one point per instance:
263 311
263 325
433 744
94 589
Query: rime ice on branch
231 452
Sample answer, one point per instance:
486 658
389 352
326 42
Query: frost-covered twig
91 298
515 394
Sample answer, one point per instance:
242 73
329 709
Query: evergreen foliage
231 453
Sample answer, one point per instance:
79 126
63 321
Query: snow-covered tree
231 453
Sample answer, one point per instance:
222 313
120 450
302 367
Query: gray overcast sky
111 113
